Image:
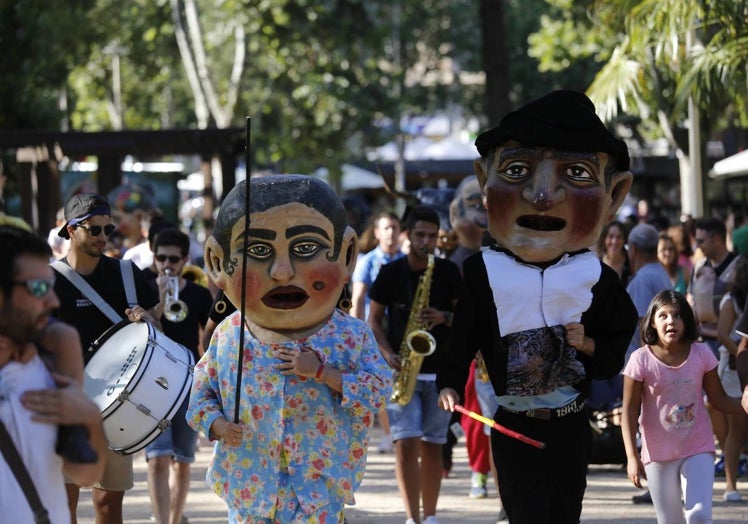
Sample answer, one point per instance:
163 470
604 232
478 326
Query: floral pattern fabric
291 423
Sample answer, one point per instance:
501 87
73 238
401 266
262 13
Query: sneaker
385 445
410 521
478 485
431 520
719 467
502 517
732 496
642 498
742 465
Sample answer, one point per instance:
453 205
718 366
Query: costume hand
67 405
448 397
576 339
303 363
232 434
635 471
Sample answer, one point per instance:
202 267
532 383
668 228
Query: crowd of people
541 305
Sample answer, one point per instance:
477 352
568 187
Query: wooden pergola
38 154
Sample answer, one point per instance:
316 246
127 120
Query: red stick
499 427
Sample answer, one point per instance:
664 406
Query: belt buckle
539 413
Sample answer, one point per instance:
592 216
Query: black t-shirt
106 279
395 286
198 300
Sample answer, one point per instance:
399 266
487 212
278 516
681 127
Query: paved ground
608 497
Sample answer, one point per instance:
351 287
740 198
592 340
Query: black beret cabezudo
564 120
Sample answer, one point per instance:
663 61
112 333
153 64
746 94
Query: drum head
114 364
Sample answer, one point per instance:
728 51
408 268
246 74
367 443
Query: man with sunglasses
34 402
174 449
88 222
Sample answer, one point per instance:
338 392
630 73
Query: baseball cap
81 207
564 120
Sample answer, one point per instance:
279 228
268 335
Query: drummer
88 223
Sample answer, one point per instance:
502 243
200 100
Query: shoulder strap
16 465
85 288
128 279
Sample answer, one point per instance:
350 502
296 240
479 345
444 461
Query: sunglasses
95 231
174 259
39 287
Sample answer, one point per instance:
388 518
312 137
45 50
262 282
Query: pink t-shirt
673 423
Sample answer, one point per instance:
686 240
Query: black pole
247 151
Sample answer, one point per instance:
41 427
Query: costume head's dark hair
15 242
668 297
564 120
271 191
172 236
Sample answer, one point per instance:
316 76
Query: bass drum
139 378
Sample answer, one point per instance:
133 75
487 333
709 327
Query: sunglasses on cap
174 259
39 287
95 231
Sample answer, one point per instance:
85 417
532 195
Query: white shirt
35 443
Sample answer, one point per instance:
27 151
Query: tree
40 42
669 54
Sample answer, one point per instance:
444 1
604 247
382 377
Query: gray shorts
421 417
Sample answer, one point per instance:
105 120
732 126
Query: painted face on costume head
291 281
543 203
470 205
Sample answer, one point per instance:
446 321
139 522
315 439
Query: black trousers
543 486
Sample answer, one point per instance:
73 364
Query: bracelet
320 370
447 317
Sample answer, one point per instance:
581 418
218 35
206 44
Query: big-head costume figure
543 310
311 375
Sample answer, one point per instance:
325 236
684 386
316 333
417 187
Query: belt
575 406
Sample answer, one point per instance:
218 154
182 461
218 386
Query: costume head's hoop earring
345 302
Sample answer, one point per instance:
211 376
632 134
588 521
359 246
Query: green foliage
40 42
660 53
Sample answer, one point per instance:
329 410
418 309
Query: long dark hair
668 298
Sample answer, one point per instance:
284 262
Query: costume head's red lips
286 297
541 222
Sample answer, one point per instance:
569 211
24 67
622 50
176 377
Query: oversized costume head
552 176
300 252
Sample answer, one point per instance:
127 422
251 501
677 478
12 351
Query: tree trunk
495 60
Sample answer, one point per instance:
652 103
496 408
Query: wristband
320 370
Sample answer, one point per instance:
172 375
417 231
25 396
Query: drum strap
16 465
125 267
89 292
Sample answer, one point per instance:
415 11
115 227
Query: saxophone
417 343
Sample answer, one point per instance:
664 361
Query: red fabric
476 441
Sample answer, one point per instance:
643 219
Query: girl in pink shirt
663 387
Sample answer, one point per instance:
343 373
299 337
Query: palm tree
679 63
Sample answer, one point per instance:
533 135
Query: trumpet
175 310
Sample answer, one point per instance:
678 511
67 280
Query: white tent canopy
354 177
423 148
731 166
